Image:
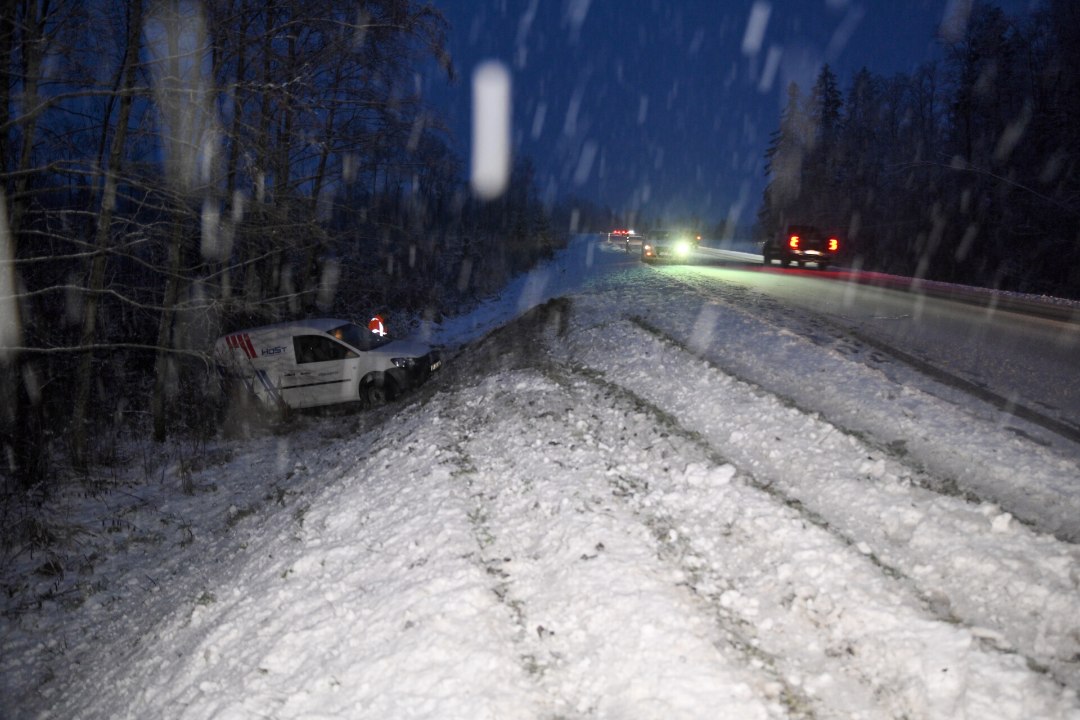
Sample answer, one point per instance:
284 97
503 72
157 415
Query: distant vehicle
802 244
674 245
309 363
625 237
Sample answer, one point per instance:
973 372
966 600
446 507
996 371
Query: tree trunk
29 440
7 39
174 83
101 241
162 365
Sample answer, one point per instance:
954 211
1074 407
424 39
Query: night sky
671 100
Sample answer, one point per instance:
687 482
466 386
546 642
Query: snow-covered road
627 503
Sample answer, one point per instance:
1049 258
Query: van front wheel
378 392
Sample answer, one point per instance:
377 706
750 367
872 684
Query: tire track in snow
973 474
732 570
576 637
870 505
852 341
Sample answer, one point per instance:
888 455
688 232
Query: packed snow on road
623 498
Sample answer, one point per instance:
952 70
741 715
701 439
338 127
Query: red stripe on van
248 346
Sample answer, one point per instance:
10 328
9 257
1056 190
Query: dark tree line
173 169
963 171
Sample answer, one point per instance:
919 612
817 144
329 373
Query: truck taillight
793 242
834 244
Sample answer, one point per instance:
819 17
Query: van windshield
359 337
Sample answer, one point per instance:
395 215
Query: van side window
316 348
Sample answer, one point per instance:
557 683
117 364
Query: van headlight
405 363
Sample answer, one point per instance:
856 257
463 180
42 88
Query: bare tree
126 77
180 56
28 22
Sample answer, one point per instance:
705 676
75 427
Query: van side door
324 374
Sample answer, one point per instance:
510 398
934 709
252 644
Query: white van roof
316 324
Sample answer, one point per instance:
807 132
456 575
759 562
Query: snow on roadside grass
375 607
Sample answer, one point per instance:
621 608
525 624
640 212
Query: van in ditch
309 363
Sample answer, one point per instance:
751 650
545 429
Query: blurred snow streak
954 21
704 328
772 64
491 130
585 162
10 334
755 27
844 32
575 14
538 120
328 284
178 46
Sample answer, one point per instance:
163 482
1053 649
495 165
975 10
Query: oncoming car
325 361
671 245
801 244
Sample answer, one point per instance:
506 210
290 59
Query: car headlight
682 247
405 363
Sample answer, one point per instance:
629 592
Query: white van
308 363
